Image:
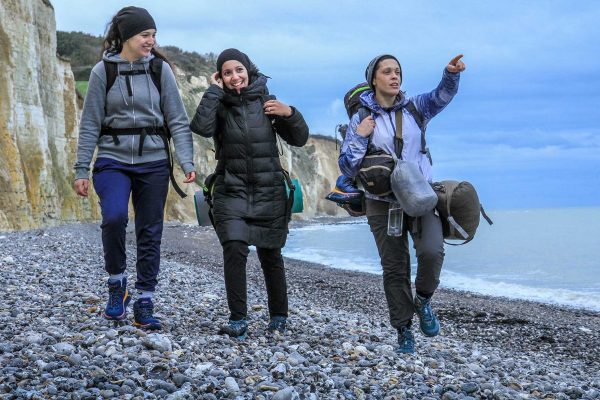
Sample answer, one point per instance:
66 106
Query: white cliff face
38 122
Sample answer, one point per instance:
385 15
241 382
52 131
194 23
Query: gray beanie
370 71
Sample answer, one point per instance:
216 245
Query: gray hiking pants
428 239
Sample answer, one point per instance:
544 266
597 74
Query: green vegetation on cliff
84 51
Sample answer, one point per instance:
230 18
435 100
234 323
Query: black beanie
234 54
133 20
370 71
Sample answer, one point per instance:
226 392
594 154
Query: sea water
546 255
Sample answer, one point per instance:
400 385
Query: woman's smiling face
234 75
140 45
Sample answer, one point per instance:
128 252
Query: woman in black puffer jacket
250 199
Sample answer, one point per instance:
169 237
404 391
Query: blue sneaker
346 185
235 329
428 322
277 323
143 310
118 299
406 341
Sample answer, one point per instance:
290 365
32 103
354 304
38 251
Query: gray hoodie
143 109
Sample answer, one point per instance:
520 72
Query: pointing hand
456 65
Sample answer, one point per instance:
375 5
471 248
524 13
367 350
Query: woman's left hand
277 108
190 177
456 65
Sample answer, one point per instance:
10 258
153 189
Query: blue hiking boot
406 341
118 299
277 323
235 329
428 322
143 310
346 185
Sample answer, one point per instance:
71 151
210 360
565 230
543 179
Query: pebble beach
54 343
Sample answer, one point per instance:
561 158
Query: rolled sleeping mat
202 209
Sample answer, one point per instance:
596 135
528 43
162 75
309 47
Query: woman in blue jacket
384 100
124 117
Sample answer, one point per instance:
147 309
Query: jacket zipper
133 110
249 165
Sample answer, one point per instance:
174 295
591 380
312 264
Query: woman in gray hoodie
131 108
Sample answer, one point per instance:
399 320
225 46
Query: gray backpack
459 209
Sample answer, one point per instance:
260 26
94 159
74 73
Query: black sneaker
235 329
406 341
143 310
277 323
118 299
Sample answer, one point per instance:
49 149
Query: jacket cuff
188 167
292 114
216 90
82 173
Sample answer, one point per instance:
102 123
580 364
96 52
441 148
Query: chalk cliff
38 121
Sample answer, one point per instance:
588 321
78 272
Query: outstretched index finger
455 59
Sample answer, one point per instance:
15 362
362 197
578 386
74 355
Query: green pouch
294 192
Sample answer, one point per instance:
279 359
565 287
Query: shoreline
491 296
339 341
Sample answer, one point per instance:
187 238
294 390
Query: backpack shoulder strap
412 109
156 66
363 112
398 141
111 74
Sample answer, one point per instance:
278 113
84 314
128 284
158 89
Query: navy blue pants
147 184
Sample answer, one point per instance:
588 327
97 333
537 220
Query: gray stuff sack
414 194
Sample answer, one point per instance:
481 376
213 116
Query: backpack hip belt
143 132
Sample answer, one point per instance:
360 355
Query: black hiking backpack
155 70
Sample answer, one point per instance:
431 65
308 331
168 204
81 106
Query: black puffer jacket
250 200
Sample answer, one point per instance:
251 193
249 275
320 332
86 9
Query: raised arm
292 129
289 122
430 104
206 117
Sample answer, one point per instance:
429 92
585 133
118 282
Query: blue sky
524 127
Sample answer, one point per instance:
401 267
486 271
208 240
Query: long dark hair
113 44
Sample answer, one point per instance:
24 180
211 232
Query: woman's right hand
215 79
366 127
81 187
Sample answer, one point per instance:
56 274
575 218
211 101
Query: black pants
395 262
147 184
235 255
